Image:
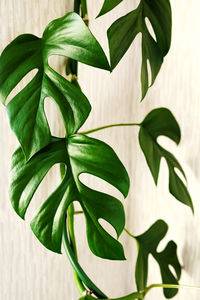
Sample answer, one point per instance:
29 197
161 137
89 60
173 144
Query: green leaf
147 244
123 31
95 157
80 154
108 5
159 122
67 36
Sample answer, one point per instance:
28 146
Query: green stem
77 4
70 211
84 11
135 295
70 222
77 268
78 212
131 235
109 126
71 250
169 286
72 66
126 230
79 285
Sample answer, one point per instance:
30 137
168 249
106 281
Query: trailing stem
80 274
70 223
71 251
109 126
80 7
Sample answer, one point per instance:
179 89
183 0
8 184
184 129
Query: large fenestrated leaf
123 31
81 154
108 5
95 157
161 122
147 244
67 36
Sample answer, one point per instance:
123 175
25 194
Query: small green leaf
159 122
108 5
80 154
147 244
67 36
123 31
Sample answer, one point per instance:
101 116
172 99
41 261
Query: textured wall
28 270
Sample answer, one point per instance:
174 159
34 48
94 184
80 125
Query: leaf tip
144 92
192 208
54 247
19 211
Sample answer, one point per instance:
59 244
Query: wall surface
28 270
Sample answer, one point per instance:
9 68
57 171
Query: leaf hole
99 185
58 63
77 207
149 73
167 143
172 270
162 245
107 227
21 85
150 28
54 118
153 269
180 175
47 186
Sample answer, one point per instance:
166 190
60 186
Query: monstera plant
77 153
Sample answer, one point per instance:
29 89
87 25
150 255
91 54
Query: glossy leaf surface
161 122
95 157
147 244
123 31
81 154
67 36
108 5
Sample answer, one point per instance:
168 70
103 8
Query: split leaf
108 5
160 122
80 154
67 36
95 157
147 244
123 31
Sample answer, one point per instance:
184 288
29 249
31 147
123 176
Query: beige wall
27 269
